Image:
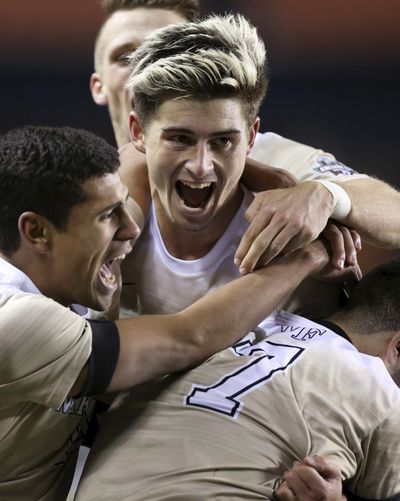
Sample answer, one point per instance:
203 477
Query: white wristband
341 200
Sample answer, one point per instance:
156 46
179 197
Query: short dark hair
189 9
374 303
42 169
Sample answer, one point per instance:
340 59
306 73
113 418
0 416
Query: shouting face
97 238
195 151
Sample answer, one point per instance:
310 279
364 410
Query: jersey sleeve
304 162
44 347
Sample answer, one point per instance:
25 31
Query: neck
190 245
369 344
19 261
341 322
121 134
38 268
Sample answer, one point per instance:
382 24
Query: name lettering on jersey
302 333
77 406
325 164
225 396
82 407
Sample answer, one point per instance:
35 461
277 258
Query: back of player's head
217 57
42 169
374 304
188 9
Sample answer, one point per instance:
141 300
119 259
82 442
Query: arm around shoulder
155 345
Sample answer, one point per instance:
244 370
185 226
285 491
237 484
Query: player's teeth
110 279
197 186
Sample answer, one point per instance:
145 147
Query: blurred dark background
334 68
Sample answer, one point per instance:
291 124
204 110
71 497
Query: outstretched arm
375 211
155 345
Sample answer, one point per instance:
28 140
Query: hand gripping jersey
229 428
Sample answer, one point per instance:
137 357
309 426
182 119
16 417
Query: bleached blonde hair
219 56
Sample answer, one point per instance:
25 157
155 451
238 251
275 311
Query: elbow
198 347
194 343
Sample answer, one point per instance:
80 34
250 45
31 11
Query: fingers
283 220
356 239
284 493
254 208
344 244
326 468
262 242
304 480
313 478
335 240
352 244
259 238
254 242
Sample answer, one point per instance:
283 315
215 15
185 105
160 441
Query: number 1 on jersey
225 395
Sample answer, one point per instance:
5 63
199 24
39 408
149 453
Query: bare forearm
260 177
375 211
242 304
155 345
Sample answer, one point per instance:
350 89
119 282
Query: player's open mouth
195 195
106 273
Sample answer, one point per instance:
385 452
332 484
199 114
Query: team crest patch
325 164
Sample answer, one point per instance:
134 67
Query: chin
101 305
95 303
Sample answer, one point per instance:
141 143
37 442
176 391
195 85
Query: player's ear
137 132
392 355
98 90
35 231
253 130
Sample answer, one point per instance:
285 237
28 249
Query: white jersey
228 429
304 162
154 281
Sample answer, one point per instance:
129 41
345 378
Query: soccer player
231 428
196 128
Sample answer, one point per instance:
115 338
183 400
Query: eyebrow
114 205
184 130
121 49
